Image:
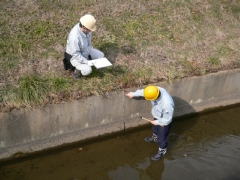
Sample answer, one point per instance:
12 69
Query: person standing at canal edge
79 47
162 112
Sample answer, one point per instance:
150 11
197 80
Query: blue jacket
162 108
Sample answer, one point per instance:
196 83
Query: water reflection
145 169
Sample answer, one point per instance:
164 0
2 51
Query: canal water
205 146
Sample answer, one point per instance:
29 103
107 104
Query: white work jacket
79 46
162 108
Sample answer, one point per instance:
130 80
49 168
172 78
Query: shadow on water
181 123
145 169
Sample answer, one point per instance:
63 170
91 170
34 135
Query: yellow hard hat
88 21
151 93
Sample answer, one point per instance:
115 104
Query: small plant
59 84
32 89
214 60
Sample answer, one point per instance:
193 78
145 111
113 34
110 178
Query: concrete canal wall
33 130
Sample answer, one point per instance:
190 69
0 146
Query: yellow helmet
88 21
151 93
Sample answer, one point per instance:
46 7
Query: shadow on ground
111 50
115 70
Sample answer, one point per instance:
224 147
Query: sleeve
138 93
77 57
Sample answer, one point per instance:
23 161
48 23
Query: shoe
76 74
151 139
160 153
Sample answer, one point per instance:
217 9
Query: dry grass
148 41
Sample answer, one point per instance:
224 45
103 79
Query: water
200 147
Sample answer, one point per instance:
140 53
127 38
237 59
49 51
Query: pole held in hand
145 119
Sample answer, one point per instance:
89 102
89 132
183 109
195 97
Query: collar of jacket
82 33
157 100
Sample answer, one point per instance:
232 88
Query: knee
98 54
86 70
95 54
101 54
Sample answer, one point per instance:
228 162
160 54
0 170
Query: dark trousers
162 135
66 62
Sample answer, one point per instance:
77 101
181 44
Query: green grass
148 41
214 61
32 89
36 90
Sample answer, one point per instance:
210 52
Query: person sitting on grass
79 47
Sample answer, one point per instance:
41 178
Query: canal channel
201 146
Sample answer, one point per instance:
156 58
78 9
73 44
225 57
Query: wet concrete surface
205 146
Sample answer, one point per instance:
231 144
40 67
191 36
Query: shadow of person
185 117
145 169
111 50
115 70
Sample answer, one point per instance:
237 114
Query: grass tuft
214 61
32 89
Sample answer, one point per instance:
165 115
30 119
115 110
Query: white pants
86 69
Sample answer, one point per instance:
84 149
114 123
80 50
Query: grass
148 41
36 90
214 61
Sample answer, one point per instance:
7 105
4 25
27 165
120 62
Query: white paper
100 63
90 62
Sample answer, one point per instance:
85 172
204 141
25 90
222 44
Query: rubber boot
151 139
160 153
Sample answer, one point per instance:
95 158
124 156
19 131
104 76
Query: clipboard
100 63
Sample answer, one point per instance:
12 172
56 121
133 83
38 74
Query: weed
32 89
236 10
224 51
59 84
9 63
214 60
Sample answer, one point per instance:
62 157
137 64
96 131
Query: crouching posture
162 112
79 47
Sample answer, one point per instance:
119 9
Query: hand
154 122
130 95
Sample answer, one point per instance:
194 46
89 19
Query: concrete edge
54 125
